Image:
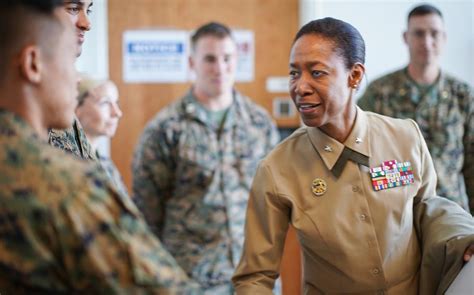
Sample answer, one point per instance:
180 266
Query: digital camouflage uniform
112 172
63 230
72 140
445 113
191 178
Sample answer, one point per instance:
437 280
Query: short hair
424 9
86 85
215 29
348 42
22 21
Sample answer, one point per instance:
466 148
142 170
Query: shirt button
363 217
355 188
375 271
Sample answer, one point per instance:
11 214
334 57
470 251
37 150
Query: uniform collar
13 125
191 108
330 149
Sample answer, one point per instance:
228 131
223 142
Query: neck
23 102
214 103
424 75
94 141
340 130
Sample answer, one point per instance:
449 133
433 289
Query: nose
428 40
302 86
116 111
83 22
220 65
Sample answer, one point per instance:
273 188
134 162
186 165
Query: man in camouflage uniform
63 229
73 139
195 162
442 106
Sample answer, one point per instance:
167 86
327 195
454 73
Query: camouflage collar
189 106
429 92
13 125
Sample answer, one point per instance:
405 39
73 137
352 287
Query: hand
468 253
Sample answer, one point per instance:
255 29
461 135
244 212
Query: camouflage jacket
63 230
112 172
192 179
72 140
445 113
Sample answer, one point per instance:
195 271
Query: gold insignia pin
319 187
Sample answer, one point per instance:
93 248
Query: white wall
94 60
382 22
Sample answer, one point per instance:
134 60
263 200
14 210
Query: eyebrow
311 64
79 2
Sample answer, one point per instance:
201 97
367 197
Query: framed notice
245 55
155 56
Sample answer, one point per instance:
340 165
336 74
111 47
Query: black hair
18 20
348 42
424 9
44 6
210 29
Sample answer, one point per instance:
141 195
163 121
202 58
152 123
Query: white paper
245 55
155 56
276 84
464 282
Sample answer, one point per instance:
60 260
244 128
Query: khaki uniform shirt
444 112
191 178
64 230
354 239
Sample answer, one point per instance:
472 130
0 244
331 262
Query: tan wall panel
274 23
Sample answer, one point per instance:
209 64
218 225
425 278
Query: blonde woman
99 113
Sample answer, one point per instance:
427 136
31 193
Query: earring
355 85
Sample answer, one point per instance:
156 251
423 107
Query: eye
293 74
210 59
419 34
89 11
73 9
317 73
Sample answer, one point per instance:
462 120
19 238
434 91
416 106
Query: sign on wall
161 56
155 56
245 55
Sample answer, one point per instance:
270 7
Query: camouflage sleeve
152 176
273 136
468 141
107 247
367 100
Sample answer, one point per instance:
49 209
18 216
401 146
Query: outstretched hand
468 253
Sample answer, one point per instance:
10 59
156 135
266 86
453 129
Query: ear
30 64
356 75
405 37
191 62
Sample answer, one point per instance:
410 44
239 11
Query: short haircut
86 85
347 40
424 9
215 29
23 22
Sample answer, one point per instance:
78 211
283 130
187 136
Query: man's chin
79 51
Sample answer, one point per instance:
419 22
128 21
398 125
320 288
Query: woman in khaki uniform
359 188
